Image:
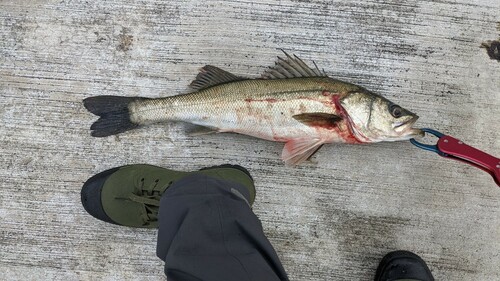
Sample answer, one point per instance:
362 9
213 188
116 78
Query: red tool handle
471 155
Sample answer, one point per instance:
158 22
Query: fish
292 103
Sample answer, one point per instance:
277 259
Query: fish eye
395 110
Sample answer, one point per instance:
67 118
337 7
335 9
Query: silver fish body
295 104
259 108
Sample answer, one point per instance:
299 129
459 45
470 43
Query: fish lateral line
270 100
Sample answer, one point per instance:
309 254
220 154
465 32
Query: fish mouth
405 128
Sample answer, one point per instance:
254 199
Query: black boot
403 265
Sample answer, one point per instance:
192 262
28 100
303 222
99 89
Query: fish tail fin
113 112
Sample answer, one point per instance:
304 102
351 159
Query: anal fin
300 150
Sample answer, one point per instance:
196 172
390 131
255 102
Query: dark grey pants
208 232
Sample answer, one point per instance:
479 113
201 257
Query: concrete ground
332 219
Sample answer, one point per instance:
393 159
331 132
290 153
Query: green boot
130 195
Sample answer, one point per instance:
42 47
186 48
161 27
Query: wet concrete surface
330 219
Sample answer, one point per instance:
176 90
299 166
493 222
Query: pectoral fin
197 130
318 119
297 151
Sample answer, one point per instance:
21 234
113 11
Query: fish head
374 118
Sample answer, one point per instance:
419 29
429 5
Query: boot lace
149 196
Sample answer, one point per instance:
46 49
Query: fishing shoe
130 195
403 266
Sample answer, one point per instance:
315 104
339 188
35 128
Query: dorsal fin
292 67
210 76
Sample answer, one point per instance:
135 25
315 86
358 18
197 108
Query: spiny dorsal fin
318 119
292 67
210 76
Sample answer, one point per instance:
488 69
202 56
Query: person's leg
403 266
207 229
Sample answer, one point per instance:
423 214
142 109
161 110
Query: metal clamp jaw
433 148
453 148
